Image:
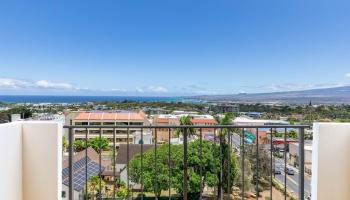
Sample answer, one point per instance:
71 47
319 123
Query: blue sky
175 47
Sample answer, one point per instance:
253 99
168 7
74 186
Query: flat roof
110 116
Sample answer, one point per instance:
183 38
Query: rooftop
111 116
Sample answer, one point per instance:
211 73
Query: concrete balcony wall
11 161
331 161
31 166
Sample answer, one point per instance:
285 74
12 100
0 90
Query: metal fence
233 134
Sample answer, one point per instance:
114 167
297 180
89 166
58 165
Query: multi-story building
204 120
112 119
173 119
225 108
165 120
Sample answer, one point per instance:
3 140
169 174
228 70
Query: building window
136 123
122 123
108 123
94 132
81 123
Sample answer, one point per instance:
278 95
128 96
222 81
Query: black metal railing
230 139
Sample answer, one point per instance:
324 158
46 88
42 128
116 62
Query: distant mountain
336 95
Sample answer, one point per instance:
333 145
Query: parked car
277 169
289 171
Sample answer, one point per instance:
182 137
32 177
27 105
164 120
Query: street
292 180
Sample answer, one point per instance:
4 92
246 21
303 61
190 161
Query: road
292 180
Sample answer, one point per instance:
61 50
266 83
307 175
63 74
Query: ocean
80 99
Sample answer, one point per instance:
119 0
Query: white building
294 155
247 121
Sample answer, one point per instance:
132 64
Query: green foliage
263 167
122 192
226 120
96 143
248 175
186 120
292 134
64 143
23 110
79 145
93 187
156 170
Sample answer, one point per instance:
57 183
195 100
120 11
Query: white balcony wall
32 165
11 161
331 161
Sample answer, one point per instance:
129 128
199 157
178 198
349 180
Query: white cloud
10 83
113 90
195 89
13 83
292 87
51 85
157 89
138 89
347 75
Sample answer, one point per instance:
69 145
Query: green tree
23 110
292 134
186 120
93 187
122 192
156 168
223 133
98 144
64 143
79 145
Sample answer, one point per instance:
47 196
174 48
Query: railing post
271 161
169 160
285 163
229 163
70 155
100 167
142 193
155 162
201 159
185 165
243 163
86 164
114 166
257 164
301 164
221 167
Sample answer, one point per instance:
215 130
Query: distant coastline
81 99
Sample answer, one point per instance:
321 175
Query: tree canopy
156 170
96 143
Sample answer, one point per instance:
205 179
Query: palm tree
226 120
185 120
